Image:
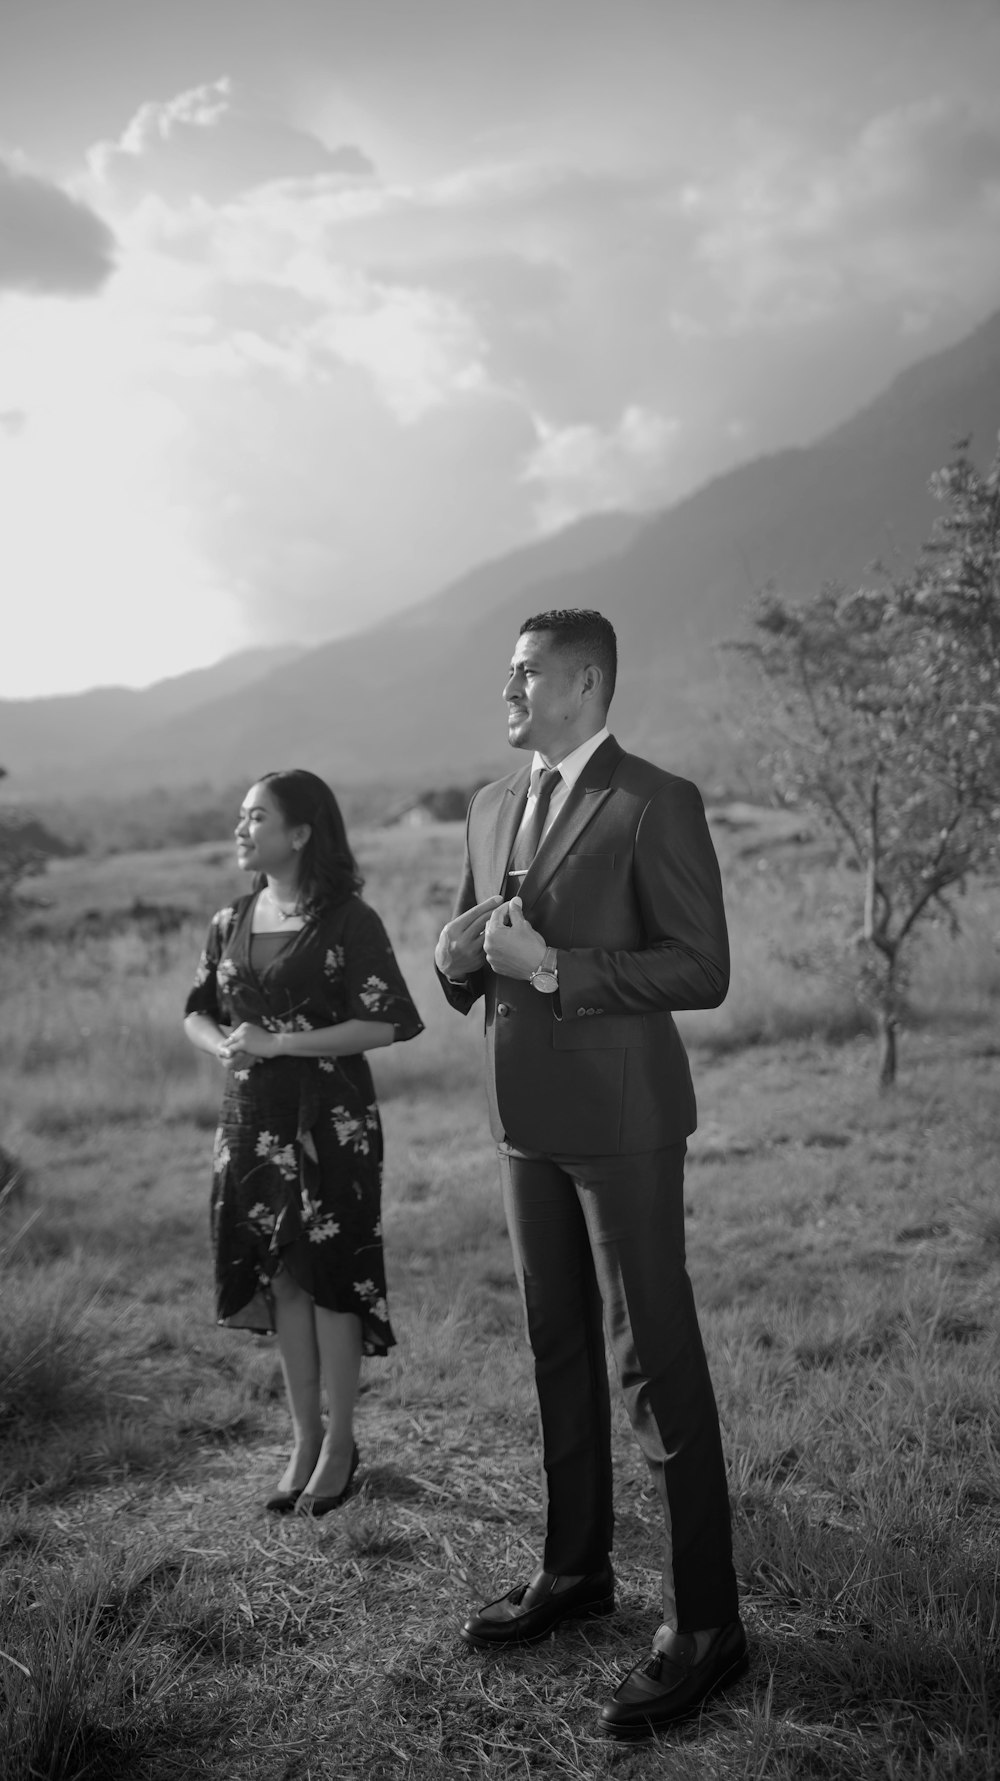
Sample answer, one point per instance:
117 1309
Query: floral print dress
298 1153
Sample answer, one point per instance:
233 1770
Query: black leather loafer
508 1622
663 1689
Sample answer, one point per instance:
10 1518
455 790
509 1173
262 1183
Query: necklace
282 914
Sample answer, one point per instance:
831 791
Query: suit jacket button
503 1009
581 1011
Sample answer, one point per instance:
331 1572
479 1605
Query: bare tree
885 720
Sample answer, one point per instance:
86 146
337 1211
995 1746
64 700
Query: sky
308 306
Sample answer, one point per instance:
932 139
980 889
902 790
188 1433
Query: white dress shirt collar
572 766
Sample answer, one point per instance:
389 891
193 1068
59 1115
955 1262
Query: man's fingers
479 914
461 940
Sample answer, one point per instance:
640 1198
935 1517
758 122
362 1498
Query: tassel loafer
668 1686
510 1621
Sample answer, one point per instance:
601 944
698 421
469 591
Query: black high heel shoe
310 1505
283 1501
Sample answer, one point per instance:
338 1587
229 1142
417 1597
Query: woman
296 982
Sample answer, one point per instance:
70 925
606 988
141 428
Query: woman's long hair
328 871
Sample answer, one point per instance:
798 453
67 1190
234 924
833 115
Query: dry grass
846 1256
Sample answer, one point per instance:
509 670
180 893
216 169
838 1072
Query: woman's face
264 841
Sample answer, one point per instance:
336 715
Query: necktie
529 836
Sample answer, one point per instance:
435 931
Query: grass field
845 1248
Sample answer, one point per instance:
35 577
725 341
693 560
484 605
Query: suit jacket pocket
599 1032
588 862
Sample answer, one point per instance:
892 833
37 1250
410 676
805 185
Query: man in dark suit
591 909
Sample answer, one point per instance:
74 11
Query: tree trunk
888 1026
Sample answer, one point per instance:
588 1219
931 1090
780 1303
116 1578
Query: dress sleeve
374 982
204 994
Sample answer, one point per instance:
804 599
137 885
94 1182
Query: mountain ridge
94 723
418 694
104 717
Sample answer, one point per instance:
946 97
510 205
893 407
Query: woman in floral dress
297 981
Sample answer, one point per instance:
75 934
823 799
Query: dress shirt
569 771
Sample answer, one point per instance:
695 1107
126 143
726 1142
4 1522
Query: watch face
546 981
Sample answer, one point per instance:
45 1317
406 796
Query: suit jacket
626 887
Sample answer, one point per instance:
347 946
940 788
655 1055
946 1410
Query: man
590 909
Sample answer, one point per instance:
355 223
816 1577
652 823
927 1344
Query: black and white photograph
499 890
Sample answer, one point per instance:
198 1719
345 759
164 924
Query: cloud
926 161
355 368
582 469
283 279
907 212
533 281
50 243
271 299
567 287
559 288
213 143
419 349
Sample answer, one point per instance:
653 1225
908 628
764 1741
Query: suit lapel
508 822
591 791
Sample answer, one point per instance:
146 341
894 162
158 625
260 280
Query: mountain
114 738
46 737
827 512
417 697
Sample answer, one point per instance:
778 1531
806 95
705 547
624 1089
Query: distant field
845 1249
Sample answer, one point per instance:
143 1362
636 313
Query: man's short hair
588 636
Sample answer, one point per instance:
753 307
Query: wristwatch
545 977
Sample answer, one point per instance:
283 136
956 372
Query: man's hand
459 950
513 947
